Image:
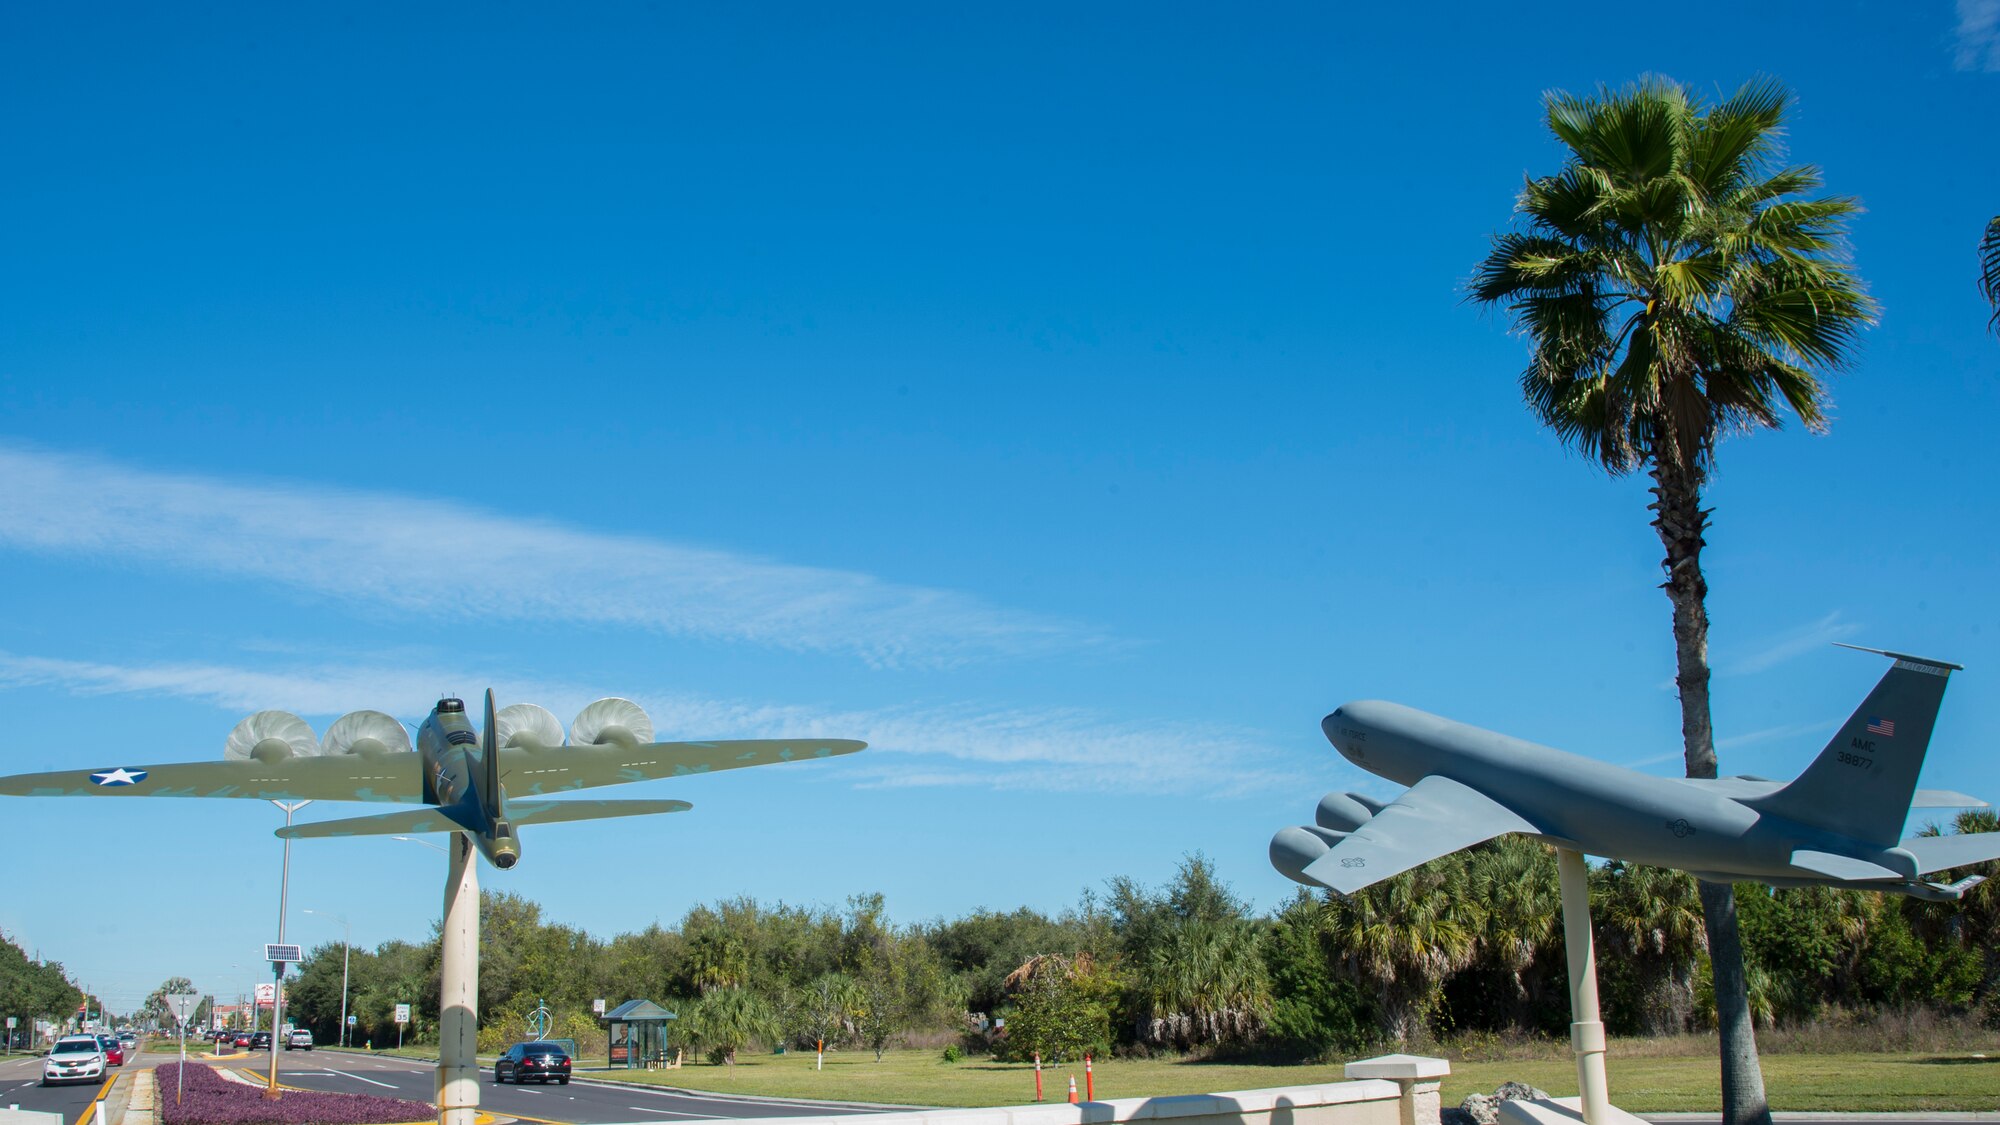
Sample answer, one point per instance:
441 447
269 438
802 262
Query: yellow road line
537 1120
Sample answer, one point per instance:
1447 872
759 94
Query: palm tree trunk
1680 522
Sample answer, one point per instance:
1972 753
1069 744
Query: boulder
1519 1091
1483 1109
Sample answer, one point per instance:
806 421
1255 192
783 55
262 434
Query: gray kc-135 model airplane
470 781
1838 824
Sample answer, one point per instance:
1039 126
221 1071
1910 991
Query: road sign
11 1021
284 954
402 1013
597 1005
183 1004
352 1020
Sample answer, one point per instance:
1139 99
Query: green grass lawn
1643 1085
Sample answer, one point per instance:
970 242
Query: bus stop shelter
637 1030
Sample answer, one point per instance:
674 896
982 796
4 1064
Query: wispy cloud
1773 651
1978 35
385 549
1048 750
1774 734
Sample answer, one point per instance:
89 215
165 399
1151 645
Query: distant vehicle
114 1051
74 1058
240 1039
299 1040
260 1040
129 1038
538 1060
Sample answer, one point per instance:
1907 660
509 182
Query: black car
539 1061
260 1041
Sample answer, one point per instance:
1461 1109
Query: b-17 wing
559 769
1434 817
397 777
343 777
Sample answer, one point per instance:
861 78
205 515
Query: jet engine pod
610 721
526 726
1294 849
1342 812
271 736
366 732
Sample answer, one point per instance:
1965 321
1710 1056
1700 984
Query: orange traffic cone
1072 1089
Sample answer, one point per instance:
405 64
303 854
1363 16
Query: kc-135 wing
1434 817
395 776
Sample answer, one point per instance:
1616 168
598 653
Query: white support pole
1586 1029
458 998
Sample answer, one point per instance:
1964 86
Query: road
582 1102
21 1087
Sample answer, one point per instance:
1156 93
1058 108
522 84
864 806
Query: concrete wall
1368 1102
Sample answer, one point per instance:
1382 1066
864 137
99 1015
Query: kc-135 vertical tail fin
1862 783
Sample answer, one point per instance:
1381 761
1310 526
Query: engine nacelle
271 736
369 733
1294 849
1345 812
609 722
526 727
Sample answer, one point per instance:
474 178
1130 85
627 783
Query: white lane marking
358 1078
675 1113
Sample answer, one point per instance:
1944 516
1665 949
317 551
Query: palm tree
1512 884
723 1020
1989 269
1652 916
1206 983
1675 288
1402 938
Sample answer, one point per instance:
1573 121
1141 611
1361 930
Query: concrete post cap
1399 1068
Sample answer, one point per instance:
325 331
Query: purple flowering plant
207 1098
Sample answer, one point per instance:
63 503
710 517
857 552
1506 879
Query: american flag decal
1883 727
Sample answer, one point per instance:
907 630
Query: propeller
529 727
271 736
366 732
610 721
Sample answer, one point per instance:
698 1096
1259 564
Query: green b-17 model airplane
484 783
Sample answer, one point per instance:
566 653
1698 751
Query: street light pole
346 948
278 967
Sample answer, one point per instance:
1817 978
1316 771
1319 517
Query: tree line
1468 943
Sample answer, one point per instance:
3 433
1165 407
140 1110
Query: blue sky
1075 404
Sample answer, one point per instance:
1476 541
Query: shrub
952 1054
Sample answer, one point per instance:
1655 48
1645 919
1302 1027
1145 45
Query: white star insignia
119 776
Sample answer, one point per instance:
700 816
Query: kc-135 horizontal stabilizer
518 812
1942 853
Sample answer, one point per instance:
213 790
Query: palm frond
1989 269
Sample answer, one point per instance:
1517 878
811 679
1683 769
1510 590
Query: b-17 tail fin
1862 784
490 801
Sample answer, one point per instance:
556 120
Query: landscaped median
195 1094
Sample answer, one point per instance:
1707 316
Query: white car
74 1058
299 1040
